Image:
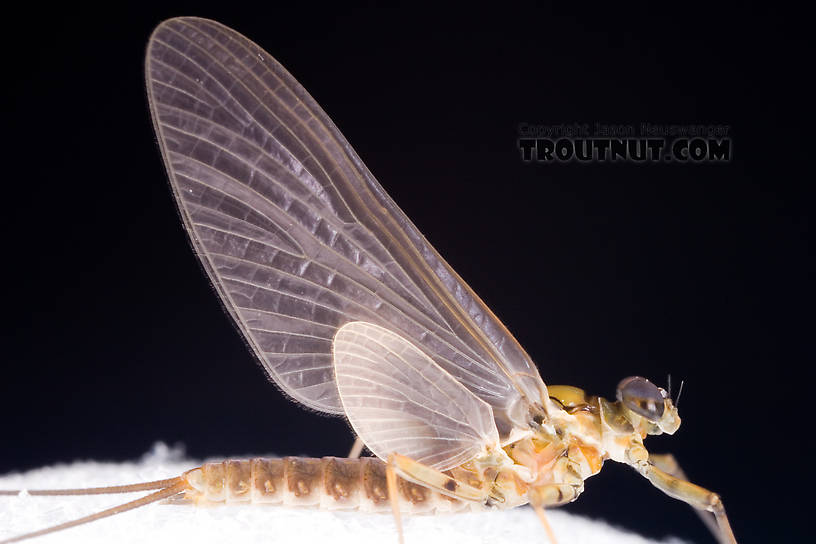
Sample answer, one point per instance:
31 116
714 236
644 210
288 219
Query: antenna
680 392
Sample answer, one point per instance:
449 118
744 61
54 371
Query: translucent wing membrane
399 401
295 233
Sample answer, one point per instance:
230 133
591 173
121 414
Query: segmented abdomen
330 482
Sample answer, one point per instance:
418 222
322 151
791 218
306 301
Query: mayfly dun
351 312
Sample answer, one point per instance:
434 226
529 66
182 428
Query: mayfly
351 312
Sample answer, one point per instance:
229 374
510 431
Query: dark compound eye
642 397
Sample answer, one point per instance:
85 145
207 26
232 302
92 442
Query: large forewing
295 233
399 401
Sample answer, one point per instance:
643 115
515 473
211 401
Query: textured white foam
158 523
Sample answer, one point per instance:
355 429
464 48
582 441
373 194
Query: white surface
157 523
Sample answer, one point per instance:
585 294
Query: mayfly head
647 406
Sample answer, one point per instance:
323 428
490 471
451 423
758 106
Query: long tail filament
166 489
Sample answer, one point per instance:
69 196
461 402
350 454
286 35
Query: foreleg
672 483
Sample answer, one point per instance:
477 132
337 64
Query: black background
112 338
